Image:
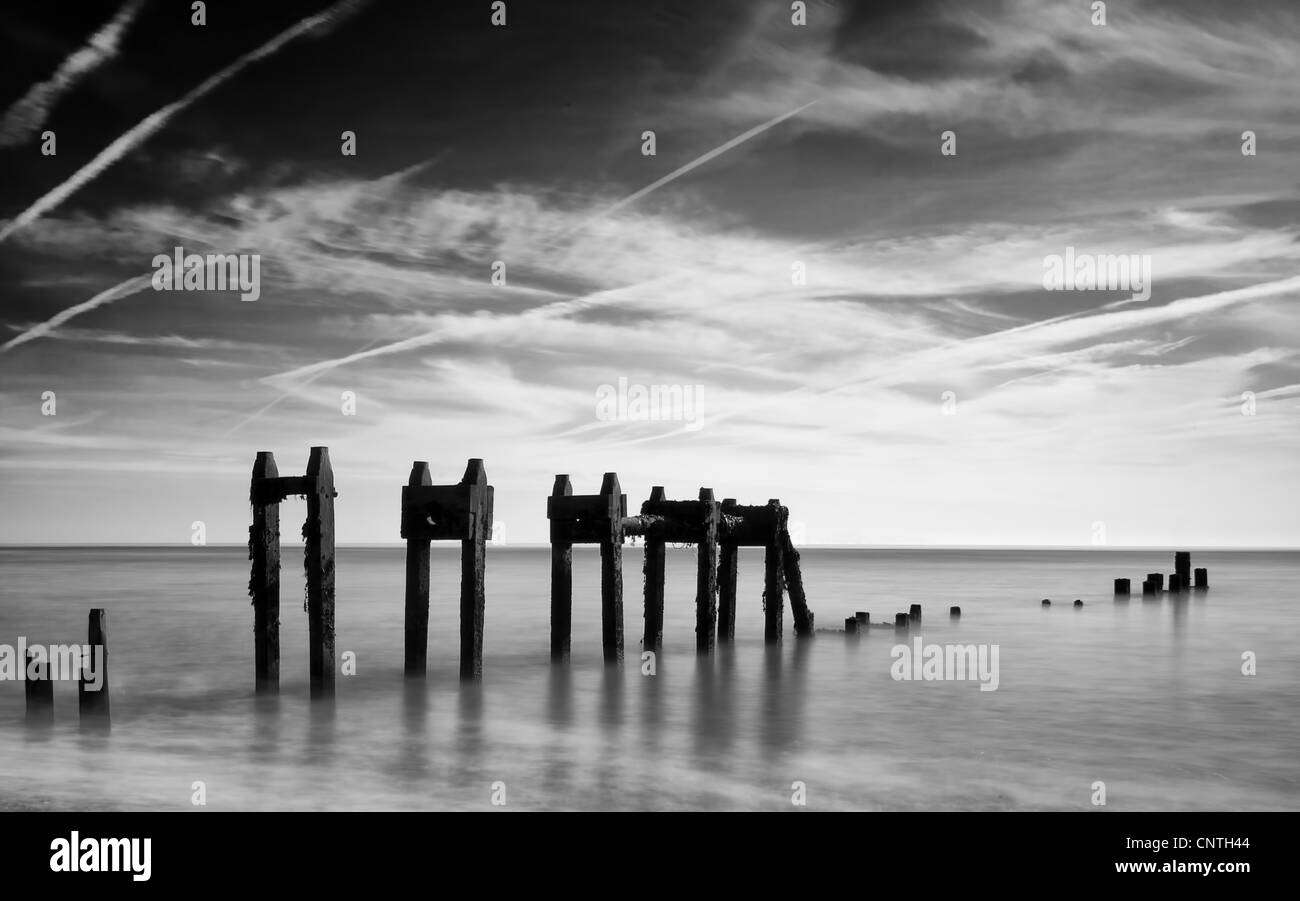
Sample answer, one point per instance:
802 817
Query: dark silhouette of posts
415 621
803 617
1121 587
706 581
655 545
267 489
92 703
39 691
264 584
587 519
611 569
774 575
1183 566
473 563
318 535
728 561
561 577
460 512
1202 579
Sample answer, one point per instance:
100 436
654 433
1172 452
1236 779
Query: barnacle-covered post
318 534
264 583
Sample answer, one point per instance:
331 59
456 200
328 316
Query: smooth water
1145 696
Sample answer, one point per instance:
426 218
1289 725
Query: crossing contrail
152 123
117 292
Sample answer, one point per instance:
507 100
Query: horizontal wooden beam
272 490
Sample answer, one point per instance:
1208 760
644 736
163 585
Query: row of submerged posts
463 512
1180 580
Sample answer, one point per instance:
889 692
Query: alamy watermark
626 402
214 272
56 662
1098 272
945 663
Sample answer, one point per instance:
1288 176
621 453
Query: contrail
155 121
682 170
117 292
29 112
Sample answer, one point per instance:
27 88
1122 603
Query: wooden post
900 622
773 576
416 625
706 576
561 578
1175 583
264 584
318 533
954 612
803 617
1183 566
851 625
611 571
863 617
727 572
1202 579
653 638
473 567
39 692
92 703
1121 587
1148 588
1157 579
914 614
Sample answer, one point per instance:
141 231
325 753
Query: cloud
117 292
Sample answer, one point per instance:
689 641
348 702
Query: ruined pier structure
717 530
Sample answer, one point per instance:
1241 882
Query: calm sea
1145 696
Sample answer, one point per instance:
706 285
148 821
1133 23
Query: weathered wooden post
914 614
1148 588
416 617
706 574
318 535
900 622
655 554
611 569
773 573
39 691
1183 566
264 584
562 576
1202 579
727 574
863 617
1175 586
460 512
92 702
803 617
1157 579
1121 587
851 625
954 612
473 564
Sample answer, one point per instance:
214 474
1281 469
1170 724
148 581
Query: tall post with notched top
473 560
773 573
706 579
416 623
561 577
654 582
611 570
264 584
728 554
318 535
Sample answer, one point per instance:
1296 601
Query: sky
861 319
